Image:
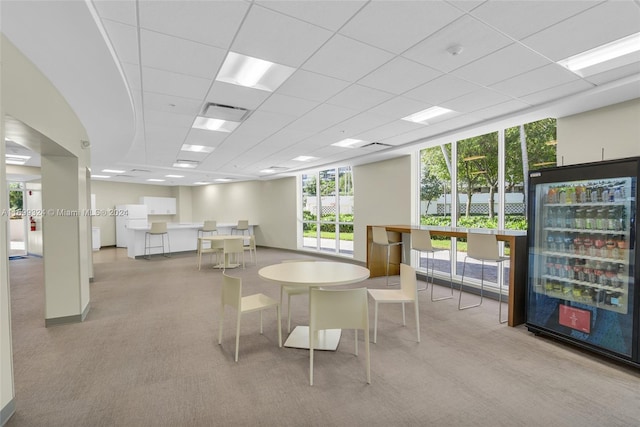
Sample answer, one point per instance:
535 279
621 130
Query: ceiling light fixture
201 183
304 158
16 159
174 176
155 180
424 115
100 176
349 143
190 164
218 125
113 171
252 72
223 180
455 50
197 148
607 52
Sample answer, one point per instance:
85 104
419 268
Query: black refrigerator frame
537 299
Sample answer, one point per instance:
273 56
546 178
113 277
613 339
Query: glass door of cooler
582 263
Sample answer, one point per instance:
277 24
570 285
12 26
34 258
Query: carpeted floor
147 355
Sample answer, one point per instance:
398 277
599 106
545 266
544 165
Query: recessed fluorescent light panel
100 176
614 54
252 72
223 180
424 116
201 183
174 176
197 148
217 125
16 159
188 164
304 158
155 180
349 143
113 171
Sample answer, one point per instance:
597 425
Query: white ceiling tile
355 126
397 25
359 97
278 103
311 86
557 92
587 30
388 130
441 89
172 104
475 38
519 19
466 5
175 84
535 81
236 96
211 22
327 14
179 55
399 75
284 138
205 137
346 59
615 74
477 100
501 65
264 33
263 123
399 107
500 109
322 117
183 121
124 39
121 11
132 74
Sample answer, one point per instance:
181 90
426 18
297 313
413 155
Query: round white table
217 242
313 275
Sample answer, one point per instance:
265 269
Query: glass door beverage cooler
582 256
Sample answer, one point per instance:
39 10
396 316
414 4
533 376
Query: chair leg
450 283
237 335
426 283
500 306
279 326
375 323
404 321
289 313
261 322
387 264
415 305
462 282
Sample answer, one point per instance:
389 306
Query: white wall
614 129
382 197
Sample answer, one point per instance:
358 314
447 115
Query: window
327 211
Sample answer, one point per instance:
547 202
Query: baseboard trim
7 412
76 318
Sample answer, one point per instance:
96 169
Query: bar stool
242 226
421 242
381 238
483 247
209 226
157 229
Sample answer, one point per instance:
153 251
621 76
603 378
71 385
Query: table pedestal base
326 339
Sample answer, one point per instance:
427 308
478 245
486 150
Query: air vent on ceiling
225 112
140 170
125 176
376 144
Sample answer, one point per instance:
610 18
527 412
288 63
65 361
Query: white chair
215 247
339 309
408 292
484 248
251 247
242 226
421 242
380 238
232 296
210 226
231 250
157 229
292 291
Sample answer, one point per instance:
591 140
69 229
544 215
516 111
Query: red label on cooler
575 318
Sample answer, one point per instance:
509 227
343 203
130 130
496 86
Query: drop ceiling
137 73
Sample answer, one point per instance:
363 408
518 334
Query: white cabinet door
159 205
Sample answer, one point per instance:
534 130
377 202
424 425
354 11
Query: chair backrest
408 281
158 228
233 246
339 309
380 236
482 246
243 224
252 242
421 240
210 225
231 291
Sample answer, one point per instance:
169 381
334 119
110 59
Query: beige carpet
147 355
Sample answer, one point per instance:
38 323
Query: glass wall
488 188
327 211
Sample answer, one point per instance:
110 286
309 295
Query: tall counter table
516 239
183 237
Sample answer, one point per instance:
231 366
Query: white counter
183 237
